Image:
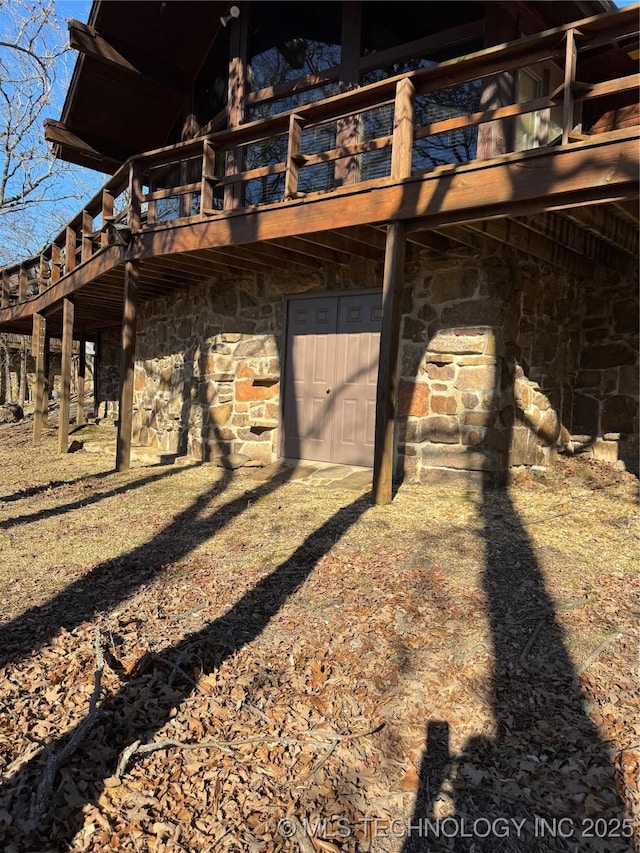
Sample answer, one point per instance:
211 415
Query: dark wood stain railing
131 202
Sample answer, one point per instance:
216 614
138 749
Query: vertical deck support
82 372
127 357
349 129
388 364
38 342
65 375
392 282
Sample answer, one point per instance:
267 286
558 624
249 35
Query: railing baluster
402 146
107 216
135 195
45 275
69 250
87 238
294 158
6 288
570 62
55 263
209 178
23 282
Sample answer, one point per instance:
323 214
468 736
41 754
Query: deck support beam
65 375
127 358
393 279
38 343
82 372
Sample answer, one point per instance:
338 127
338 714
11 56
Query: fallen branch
137 748
528 645
586 663
41 800
319 763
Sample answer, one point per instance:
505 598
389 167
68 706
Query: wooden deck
265 194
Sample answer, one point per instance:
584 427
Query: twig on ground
41 800
137 748
586 663
319 764
529 644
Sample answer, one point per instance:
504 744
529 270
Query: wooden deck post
388 363
87 239
403 130
82 372
70 250
38 342
293 157
65 375
95 367
127 356
23 283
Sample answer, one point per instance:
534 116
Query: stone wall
207 373
502 362
605 411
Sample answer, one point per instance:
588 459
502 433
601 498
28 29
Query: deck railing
402 127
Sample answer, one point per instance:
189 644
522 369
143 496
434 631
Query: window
541 127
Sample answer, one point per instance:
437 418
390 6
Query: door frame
284 364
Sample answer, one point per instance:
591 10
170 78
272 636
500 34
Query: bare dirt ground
196 660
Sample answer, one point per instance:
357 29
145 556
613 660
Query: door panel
330 383
310 373
357 346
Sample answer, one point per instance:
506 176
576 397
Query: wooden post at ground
127 357
82 372
38 342
47 378
96 378
388 364
65 375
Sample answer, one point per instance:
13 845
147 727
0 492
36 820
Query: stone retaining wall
502 362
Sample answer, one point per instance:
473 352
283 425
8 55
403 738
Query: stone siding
503 362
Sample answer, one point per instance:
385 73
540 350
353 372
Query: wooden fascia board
86 40
581 173
46 302
59 134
